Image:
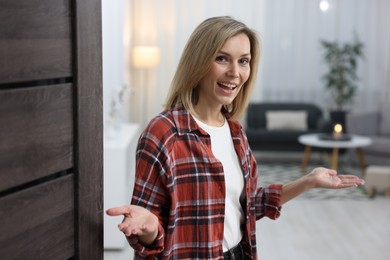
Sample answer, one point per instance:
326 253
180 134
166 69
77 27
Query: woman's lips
230 86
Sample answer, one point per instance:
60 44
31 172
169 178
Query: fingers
118 211
129 227
125 223
125 226
351 179
346 185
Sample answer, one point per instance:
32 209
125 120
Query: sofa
277 126
376 125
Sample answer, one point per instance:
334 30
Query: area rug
283 173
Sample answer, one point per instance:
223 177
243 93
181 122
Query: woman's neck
212 117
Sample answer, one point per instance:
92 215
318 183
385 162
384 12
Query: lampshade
145 56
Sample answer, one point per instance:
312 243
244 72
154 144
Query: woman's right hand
137 221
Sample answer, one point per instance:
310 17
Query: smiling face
229 71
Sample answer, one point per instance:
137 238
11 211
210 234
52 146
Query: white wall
113 38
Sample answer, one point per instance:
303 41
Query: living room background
291 71
292 58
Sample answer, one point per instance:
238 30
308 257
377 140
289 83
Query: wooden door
51 144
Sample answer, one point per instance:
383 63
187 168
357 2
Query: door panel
36 133
51 130
38 221
35 40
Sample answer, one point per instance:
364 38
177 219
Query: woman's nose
233 70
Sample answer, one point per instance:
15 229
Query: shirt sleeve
150 189
268 201
143 251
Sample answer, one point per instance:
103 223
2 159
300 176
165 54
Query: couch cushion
294 120
275 136
385 120
363 123
380 145
256 113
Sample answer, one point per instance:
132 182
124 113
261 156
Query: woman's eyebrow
228 54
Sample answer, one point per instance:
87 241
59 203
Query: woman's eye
244 61
220 59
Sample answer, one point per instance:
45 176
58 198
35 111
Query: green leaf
342 65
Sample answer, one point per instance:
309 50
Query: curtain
290 30
293 58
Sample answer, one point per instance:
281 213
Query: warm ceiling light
324 5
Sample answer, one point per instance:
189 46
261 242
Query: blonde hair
199 53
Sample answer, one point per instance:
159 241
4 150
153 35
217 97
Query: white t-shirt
223 149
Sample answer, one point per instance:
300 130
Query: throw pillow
295 120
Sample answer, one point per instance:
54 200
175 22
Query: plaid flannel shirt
179 180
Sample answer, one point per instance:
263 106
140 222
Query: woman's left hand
327 178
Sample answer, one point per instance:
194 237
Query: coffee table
314 140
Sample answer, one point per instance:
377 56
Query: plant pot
339 117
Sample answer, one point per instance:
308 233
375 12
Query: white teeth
231 86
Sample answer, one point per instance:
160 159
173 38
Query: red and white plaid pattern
179 180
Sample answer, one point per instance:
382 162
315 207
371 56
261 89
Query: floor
320 230
323 230
326 229
125 254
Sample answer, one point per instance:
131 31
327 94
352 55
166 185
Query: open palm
137 220
327 178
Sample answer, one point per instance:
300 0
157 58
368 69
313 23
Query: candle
337 131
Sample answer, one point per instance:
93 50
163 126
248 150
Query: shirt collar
185 123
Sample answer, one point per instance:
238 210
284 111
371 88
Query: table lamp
145 58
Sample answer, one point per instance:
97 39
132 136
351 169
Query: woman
196 193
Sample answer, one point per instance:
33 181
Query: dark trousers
235 253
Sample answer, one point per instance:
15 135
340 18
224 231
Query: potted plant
340 79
